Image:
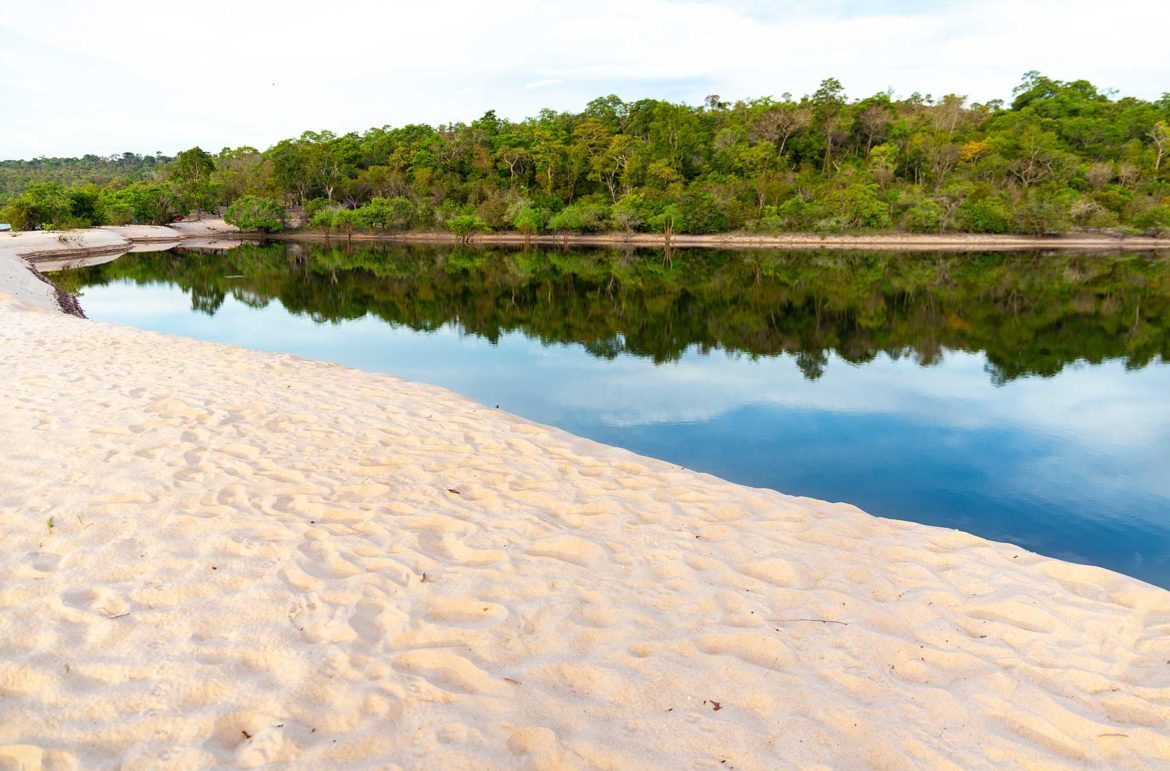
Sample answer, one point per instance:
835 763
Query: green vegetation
253 213
1060 156
465 225
1030 314
114 171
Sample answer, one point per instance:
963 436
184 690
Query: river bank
25 255
875 241
225 556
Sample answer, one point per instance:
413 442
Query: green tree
346 220
252 213
828 103
530 220
382 214
466 225
582 217
192 172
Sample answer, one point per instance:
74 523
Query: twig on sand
817 620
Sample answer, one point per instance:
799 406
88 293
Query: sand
145 234
48 251
219 557
20 281
204 228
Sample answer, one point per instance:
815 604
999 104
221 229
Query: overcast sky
80 76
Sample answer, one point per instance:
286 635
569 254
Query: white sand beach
212 227
216 557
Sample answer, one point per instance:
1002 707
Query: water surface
1021 397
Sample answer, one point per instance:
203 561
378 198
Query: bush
141 203
116 212
798 214
1155 221
315 205
41 204
1039 216
387 214
530 220
84 206
465 225
19 214
633 212
983 215
322 219
701 213
925 217
857 206
581 217
346 220
255 214
769 221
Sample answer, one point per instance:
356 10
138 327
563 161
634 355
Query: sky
147 76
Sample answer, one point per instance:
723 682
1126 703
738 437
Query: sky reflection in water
1073 465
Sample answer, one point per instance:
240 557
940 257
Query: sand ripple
218 557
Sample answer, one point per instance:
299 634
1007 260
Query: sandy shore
218 557
212 228
960 242
23 255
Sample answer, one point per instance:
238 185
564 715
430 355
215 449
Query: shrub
983 215
702 213
315 205
20 214
530 220
465 225
633 212
142 203
581 217
925 217
1040 215
769 221
322 219
346 220
252 213
387 214
798 214
856 206
1155 221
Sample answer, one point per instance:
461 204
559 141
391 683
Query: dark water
1024 398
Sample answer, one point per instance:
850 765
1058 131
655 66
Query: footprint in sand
465 613
448 671
570 549
41 563
98 600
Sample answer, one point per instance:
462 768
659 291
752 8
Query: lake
1021 397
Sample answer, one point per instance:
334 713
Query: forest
1060 156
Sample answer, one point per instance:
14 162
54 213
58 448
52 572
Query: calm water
1025 398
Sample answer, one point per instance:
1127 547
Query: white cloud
105 77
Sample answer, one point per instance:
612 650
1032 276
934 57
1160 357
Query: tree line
1059 156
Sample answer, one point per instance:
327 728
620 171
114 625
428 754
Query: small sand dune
216 557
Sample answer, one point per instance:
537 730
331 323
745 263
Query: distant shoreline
877 241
